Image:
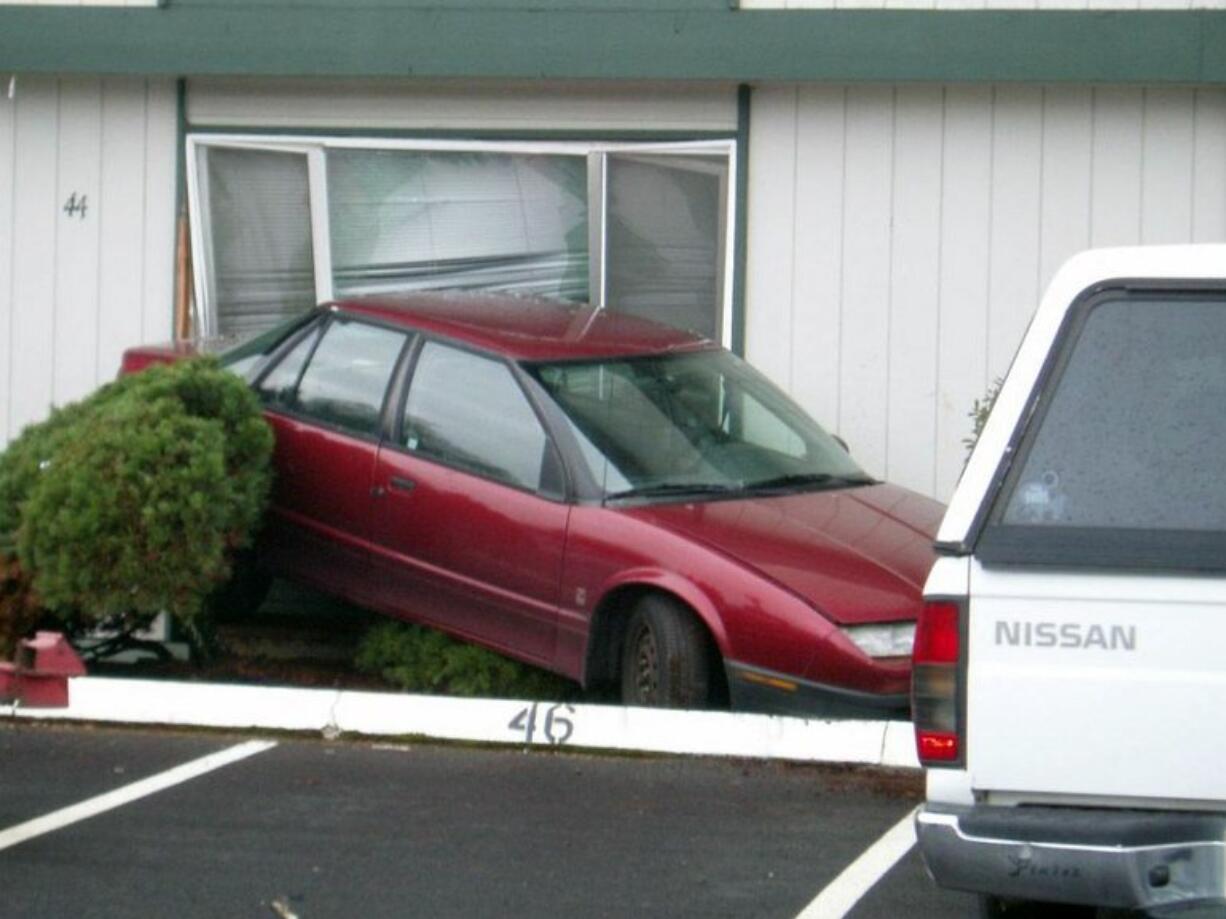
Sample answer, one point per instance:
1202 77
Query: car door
325 400
470 523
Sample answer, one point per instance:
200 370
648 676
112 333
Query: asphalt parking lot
308 828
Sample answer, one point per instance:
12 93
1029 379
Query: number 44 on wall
76 206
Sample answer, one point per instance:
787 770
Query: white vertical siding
1209 168
75 289
1115 219
774 215
1017 180
867 209
899 238
819 161
915 283
121 216
8 152
1068 116
1168 152
161 137
74 323
35 213
965 233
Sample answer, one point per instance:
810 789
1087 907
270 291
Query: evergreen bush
418 659
133 501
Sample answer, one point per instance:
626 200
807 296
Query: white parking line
858 878
129 793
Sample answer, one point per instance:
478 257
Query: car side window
346 379
277 387
469 411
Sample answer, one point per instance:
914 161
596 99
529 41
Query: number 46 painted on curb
557 729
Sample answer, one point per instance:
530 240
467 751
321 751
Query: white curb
649 730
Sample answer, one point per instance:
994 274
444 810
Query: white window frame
315 149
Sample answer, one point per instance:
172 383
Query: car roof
524 328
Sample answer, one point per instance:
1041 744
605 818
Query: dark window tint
347 376
1126 449
469 411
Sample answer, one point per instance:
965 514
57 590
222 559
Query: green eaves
681 40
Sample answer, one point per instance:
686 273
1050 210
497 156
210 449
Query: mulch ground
299 637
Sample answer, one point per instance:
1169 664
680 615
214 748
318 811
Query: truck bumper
1108 858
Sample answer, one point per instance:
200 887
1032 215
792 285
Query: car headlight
886 639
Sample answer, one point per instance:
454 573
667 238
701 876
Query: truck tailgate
1096 684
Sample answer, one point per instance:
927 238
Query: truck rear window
1122 462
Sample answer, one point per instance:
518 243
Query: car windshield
691 425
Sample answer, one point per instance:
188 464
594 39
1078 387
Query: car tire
666 660
999 908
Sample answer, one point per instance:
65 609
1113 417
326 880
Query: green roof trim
583 39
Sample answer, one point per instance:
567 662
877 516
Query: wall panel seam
1192 169
99 307
796 256
55 236
12 278
987 275
940 291
889 287
144 214
1140 172
838 376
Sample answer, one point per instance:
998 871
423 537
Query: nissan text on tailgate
1070 663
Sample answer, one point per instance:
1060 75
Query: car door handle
402 484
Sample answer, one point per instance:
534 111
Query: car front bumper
756 689
1125 859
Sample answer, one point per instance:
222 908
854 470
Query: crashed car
615 500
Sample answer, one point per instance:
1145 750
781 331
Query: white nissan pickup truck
1069 688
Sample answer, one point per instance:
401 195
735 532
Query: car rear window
1121 462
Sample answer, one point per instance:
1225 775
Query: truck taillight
934 684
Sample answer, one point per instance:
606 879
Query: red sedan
593 493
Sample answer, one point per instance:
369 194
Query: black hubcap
646 666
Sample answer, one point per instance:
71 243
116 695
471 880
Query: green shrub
980 409
20 464
133 501
418 659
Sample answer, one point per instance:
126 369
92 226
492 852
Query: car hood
858 554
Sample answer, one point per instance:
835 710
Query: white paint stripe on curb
650 730
128 793
858 878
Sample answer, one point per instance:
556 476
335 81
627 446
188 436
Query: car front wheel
666 661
